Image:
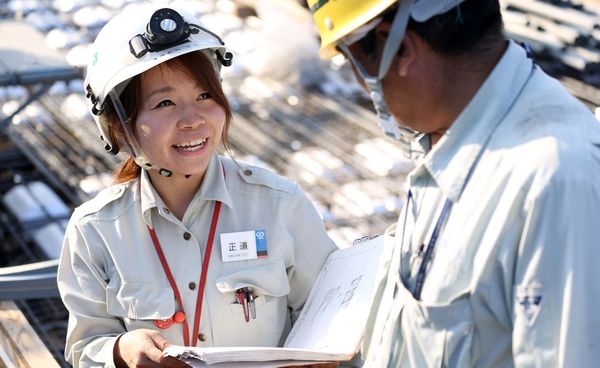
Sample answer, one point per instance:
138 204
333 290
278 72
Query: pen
241 299
250 299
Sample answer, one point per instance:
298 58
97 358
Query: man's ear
407 54
408 49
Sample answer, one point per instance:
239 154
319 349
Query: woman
188 247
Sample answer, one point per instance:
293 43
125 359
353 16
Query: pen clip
242 299
250 300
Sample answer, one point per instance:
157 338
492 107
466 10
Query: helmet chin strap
130 144
388 124
143 162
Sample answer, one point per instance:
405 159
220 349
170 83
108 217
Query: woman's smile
191 146
179 125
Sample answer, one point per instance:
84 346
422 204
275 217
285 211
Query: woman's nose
191 118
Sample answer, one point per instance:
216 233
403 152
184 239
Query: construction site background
295 114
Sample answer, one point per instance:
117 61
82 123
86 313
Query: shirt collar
451 159
148 197
214 184
213 188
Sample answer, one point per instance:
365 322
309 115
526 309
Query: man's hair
471 27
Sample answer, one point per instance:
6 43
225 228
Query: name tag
243 245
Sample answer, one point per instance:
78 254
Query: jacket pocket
269 319
139 301
438 335
265 279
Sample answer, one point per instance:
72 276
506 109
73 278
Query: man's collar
453 157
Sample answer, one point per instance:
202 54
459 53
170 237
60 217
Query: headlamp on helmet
166 29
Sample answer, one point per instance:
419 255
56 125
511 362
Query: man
495 252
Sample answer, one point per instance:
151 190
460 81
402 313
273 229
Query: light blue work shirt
514 276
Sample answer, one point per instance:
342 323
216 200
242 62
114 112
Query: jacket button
166 210
192 285
247 172
202 337
187 235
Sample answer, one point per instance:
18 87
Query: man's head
449 26
383 39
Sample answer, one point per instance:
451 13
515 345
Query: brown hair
196 64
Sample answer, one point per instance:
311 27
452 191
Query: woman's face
178 124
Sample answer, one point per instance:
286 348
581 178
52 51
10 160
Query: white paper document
329 327
336 311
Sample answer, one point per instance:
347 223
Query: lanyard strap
428 252
202 283
200 297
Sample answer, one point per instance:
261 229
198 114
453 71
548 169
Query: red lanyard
165 265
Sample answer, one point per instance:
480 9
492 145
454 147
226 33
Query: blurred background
295 114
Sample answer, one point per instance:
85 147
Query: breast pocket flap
266 279
137 300
439 335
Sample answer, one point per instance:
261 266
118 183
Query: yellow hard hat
338 18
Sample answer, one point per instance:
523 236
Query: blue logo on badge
261 243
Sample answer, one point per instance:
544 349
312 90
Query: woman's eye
204 96
164 103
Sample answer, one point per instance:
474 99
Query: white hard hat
136 40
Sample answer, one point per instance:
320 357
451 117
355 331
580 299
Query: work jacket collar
455 154
212 188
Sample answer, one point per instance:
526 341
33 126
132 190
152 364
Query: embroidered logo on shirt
529 300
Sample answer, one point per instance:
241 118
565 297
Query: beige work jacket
112 281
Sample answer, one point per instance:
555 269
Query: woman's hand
143 348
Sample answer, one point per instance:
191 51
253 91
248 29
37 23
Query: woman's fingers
144 348
165 361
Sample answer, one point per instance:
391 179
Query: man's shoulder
560 156
547 121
